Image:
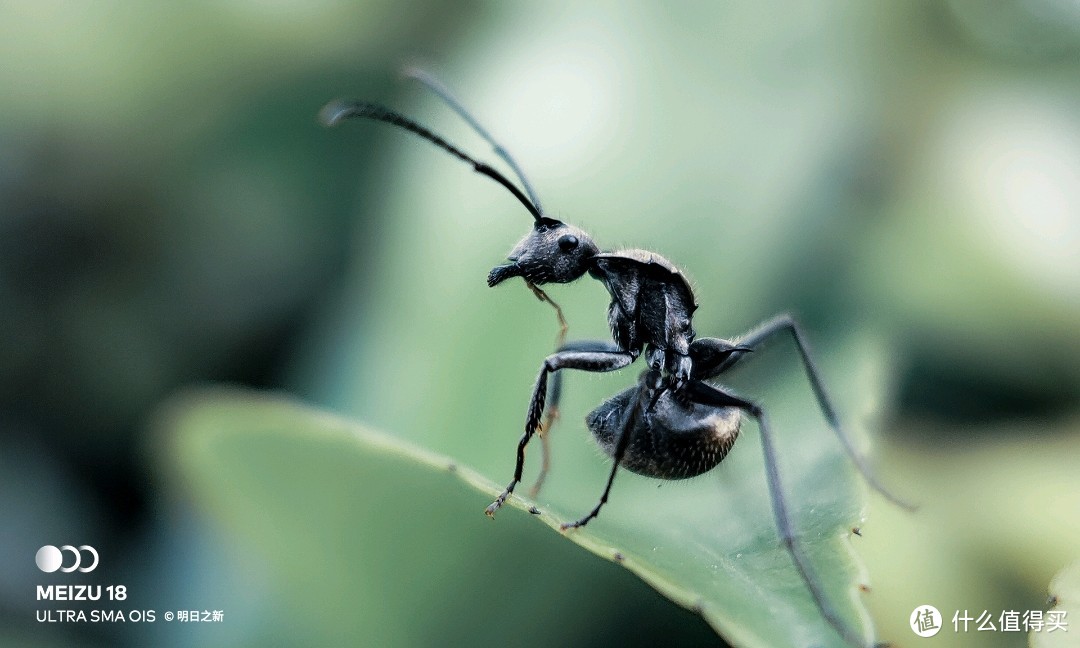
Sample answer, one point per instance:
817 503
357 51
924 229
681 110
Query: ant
674 423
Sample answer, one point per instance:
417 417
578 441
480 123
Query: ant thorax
652 303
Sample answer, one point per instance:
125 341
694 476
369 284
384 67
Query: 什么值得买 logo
925 621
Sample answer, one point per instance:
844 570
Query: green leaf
305 487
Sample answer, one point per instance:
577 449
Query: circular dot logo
48 559
925 621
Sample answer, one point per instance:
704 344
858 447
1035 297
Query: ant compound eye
567 242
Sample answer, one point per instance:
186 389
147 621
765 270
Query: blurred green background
171 214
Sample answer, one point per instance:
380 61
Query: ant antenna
335 112
447 96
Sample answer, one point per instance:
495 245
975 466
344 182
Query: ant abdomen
673 441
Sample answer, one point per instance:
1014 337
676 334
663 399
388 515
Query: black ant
673 424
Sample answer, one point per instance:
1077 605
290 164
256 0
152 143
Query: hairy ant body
673 423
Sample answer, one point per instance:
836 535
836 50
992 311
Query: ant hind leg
717 356
711 395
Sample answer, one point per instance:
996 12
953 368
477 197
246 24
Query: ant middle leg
551 414
586 360
620 451
713 356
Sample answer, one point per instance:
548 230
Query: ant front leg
717 356
710 395
560 337
589 360
553 406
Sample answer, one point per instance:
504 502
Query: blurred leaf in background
1064 595
170 212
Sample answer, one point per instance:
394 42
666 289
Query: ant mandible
672 424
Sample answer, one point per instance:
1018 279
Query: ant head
553 252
